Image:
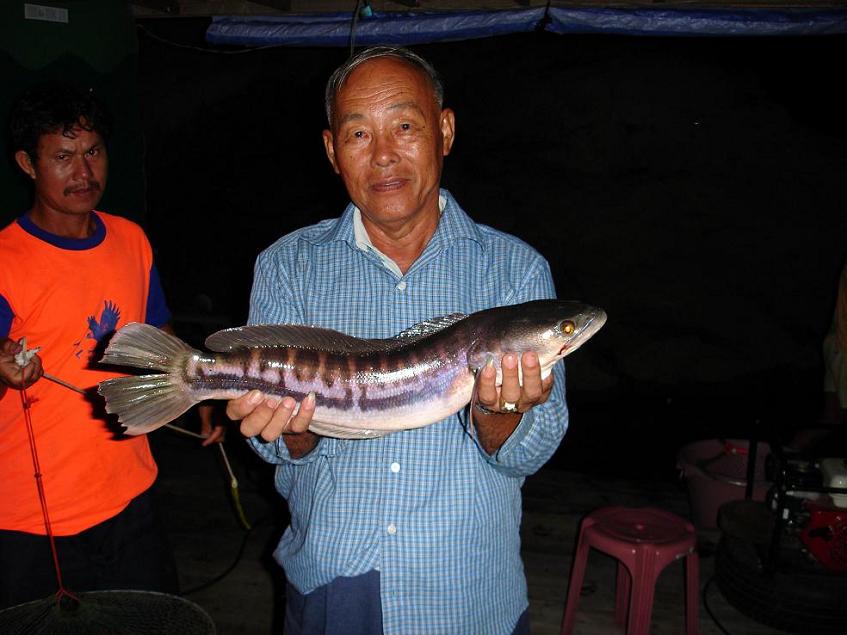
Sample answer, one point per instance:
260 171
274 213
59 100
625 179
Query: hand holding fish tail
271 418
498 410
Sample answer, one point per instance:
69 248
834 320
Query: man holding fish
418 531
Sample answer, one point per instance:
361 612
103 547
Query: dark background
692 187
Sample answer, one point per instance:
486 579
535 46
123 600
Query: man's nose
384 150
82 168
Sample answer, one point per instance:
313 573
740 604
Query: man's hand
534 391
271 418
507 403
213 430
12 375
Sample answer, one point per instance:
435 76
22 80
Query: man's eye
94 152
359 134
405 126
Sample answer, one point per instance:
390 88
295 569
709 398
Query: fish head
550 328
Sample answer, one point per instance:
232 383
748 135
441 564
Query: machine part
800 596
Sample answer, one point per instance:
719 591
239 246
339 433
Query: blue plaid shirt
428 508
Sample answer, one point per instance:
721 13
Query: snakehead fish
363 387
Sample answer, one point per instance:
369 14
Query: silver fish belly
362 388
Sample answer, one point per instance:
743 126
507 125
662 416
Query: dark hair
55 107
337 79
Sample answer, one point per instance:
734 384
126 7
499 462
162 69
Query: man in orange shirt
69 277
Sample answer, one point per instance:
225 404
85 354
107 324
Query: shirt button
401 286
391 529
395 467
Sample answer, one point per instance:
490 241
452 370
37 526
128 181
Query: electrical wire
708 608
353 24
231 567
202 49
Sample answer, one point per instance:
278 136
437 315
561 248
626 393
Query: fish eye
567 327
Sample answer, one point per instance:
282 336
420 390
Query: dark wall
97 49
692 187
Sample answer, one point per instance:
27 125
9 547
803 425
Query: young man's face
69 172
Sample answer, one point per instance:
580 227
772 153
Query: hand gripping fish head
551 328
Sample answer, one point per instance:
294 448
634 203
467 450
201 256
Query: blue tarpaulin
421 27
698 22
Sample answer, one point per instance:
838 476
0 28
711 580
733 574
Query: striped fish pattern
363 387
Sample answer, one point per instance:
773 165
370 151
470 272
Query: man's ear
25 163
330 149
448 130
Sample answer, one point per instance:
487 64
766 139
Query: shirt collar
454 224
74 244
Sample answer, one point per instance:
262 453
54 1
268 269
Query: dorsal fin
319 338
276 335
433 325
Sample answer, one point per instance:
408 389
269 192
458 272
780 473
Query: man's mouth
388 185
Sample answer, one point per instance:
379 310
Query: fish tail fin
146 402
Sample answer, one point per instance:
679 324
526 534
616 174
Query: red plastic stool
644 540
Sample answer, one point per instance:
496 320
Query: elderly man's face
388 141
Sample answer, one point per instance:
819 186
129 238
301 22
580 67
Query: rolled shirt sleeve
541 429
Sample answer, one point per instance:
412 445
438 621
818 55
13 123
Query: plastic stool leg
641 598
623 587
575 586
692 594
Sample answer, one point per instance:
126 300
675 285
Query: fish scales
362 388
375 382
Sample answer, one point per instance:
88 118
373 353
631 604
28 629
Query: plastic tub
715 471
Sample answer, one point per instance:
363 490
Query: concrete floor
207 539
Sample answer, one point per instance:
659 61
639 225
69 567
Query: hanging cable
201 49
233 482
709 609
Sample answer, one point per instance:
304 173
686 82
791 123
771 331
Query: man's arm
520 442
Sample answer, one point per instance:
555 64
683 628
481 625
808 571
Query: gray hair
337 79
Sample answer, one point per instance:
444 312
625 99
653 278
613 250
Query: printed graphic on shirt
98 328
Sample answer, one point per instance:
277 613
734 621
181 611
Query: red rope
26 403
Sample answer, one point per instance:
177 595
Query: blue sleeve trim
158 314
6 317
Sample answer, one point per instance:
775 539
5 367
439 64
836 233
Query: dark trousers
127 551
345 606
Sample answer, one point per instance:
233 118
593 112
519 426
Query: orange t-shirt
64 296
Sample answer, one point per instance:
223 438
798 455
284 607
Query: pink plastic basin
715 471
